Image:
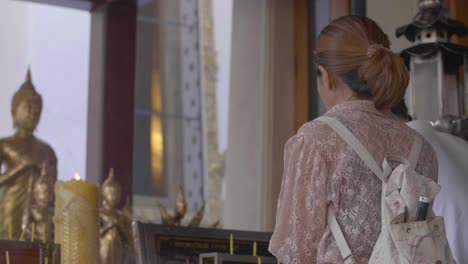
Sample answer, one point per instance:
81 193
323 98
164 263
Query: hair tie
372 49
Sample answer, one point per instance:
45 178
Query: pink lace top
321 170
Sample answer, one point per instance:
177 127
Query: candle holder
29 252
158 244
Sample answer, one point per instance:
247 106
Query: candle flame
77 176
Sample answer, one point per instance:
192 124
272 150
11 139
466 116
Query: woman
359 80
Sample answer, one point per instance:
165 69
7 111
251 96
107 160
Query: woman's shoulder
312 133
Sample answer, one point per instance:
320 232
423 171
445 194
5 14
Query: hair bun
387 77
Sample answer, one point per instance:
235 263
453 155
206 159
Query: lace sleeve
302 204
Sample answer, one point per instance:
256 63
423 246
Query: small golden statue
180 211
115 232
22 155
38 219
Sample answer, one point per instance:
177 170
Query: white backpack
402 239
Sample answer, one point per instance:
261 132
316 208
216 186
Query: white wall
261 110
244 160
390 15
55 42
59 49
222 14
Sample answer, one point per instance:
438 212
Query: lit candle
77 221
231 244
255 249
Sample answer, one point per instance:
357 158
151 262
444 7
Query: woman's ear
325 78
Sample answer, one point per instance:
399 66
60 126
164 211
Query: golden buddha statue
115 232
22 155
38 219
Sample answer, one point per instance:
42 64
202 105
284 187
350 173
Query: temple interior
157 127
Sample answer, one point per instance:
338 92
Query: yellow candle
33 231
7 257
44 229
231 244
277 261
255 249
77 221
259 260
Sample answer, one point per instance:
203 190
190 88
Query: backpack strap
415 152
364 154
340 240
373 165
354 143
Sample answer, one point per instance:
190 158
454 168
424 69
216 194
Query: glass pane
180 12
168 148
168 62
450 95
425 89
168 126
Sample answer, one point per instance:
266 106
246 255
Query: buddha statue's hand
24 166
28 170
16 172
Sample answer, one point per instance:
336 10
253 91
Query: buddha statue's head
26 106
42 191
110 191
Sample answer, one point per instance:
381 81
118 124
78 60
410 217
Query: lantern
438 89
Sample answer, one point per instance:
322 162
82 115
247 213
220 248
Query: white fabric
452 201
